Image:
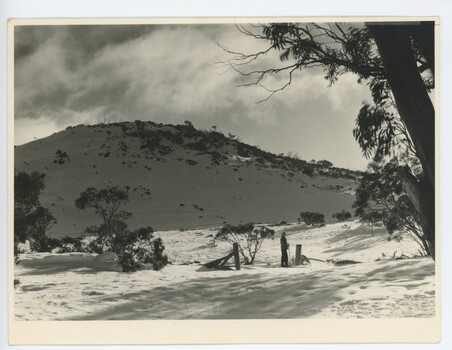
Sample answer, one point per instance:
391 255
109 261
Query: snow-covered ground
79 286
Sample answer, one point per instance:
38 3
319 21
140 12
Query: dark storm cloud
50 60
28 38
61 69
81 42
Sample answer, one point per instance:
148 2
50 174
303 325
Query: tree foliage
324 163
248 237
381 196
373 216
31 220
342 216
312 218
138 247
336 48
396 62
133 248
107 203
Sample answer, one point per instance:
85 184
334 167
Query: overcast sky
69 75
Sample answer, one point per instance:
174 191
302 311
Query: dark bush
243 151
149 140
157 259
133 248
215 138
342 216
70 244
200 146
216 157
95 247
42 243
140 125
307 170
31 220
324 163
137 248
164 150
312 218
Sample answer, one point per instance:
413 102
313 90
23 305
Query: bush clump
134 249
312 218
138 248
31 219
199 146
342 216
61 157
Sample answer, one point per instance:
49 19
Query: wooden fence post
297 254
235 250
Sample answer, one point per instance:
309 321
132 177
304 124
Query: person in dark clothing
284 247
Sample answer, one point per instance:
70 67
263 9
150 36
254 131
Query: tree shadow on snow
251 296
246 296
355 240
358 234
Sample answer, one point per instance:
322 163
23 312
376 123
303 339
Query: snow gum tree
107 203
381 196
248 237
395 60
133 248
31 219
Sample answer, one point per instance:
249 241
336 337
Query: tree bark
424 36
415 109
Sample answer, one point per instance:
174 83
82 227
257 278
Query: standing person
284 247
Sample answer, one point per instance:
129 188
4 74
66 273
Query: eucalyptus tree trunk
417 112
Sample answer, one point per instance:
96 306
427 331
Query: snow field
79 286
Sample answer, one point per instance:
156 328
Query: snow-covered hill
179 177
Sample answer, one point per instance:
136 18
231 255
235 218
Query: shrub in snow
342 216
138 248
95 246
71 244
248 237
312 218
42 243
382 197
134 249
31 220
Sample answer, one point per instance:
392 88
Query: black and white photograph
239 170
